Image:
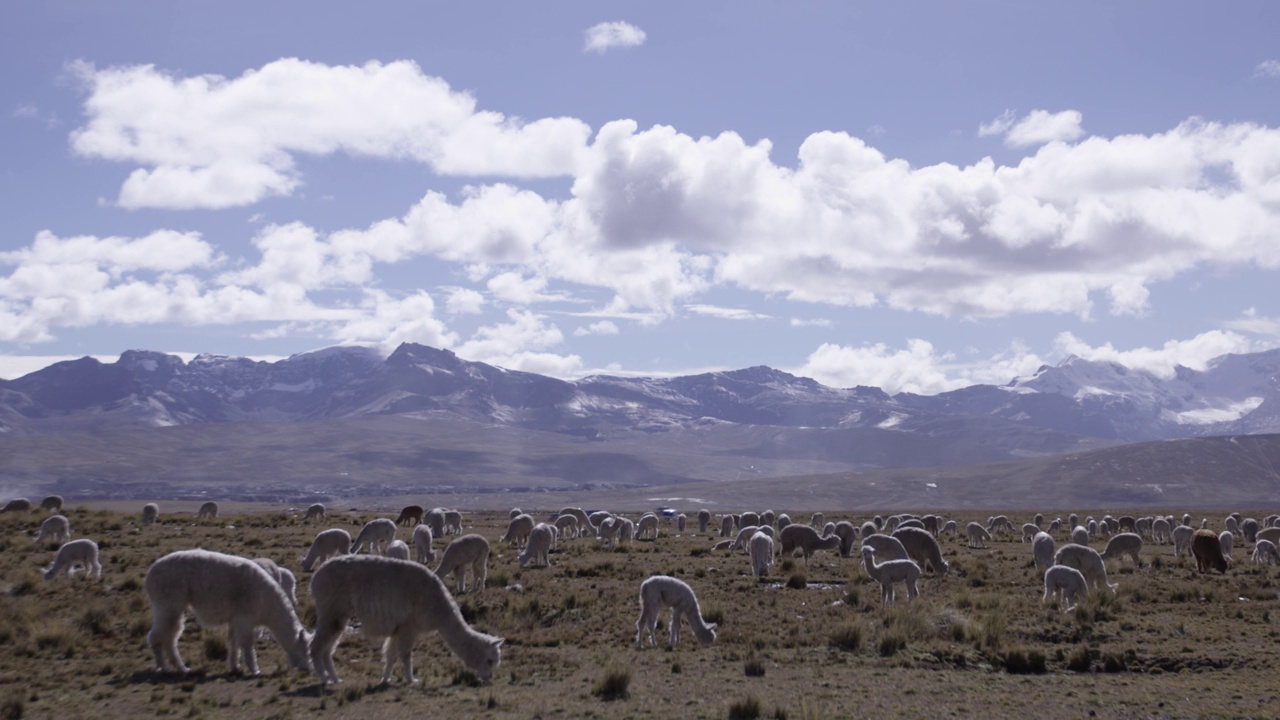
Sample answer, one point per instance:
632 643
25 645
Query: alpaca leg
673 636
163 641
97 568
323 645
481 572
233 649
244 638
912 590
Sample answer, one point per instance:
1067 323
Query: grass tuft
745 709
614 684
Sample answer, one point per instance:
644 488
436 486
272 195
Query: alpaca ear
498 643
712 626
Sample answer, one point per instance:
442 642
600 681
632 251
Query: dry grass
1170 643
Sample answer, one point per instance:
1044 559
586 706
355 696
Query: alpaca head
300 653
489 659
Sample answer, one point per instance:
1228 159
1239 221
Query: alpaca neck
282 621
458 636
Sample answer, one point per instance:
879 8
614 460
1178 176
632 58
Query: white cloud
999 126
26 110
514 345
1162 361
515 288
810 322
15 366
1041 126
725 313
1267 69
386 322
604 327
915 369
1253 323
463 301
212 142
607 35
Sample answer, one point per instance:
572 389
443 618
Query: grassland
802 643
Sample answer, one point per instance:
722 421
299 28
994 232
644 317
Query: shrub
713 614
1019 661
754 668
613 685
797 581
1080 659
748 709
847 637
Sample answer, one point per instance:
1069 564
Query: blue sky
914 196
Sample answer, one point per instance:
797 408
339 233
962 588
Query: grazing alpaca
889 572
1088 561
817 520
567 525
436 521
950 527
647 528
1227 541
518 530
661 591
515 513
55 528
887 547
806 539
1042 548
53 503
1029 531
83 552
1271 533
1080 535
1124 544
222 590
748 518
410 515
761 553
978 535
726 526
541 539
452 522
315 512
150 513
1182 539
1064 584
422 540
1160 532
16 505
681 521
376 534
208 510
847 534
584 522
1208 552
704 519
468 551
743 540
626 530
398 549
783 520
283 577
334 541
923 548
1264 553
397 600
768 517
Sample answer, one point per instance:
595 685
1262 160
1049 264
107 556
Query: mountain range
599 431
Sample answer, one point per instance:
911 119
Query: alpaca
1264 553
1227 541
847 534
1029 531
722 545
661 591
452 522
567 525
83 552
626 529
761 553
334 541
283 577
1122 545
435 519
518 530
891 523
584 522
951 527
397 549
647 528
52 503
1073 520
1055 525
1208 552
1042 548
807 540
515 513
978 535
818 520
411 515
1160 531
999 523
743 540
1127 523
887 547
541 539
596 519
222 590
315 512
16 505
909 523
922 547
681 521
1231 525
422 540
376 534
1186 519
397 600
783 520
467 551
1064 584
1142 526
768 517
1038 519
150 513
748 518
1088 561
889 572
55 528
607 531
1182 539
1271 533
1080 535
726 526
704 519
932 523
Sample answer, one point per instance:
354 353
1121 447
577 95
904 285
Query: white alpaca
726 526
397 600
283 577
315 512
626 529
468 551
1029 531
923 548
208 510
1064 584
978 535
1042 548
818 520
950 527
1182 539
1088 561
518 530
830 528
647 528
1264 553
999 523
584 522
52 503
596 519
16 505
452 522
435 519
761 553
150 513
743 540
847 534
377 534
422 543
1055 525
334 541
541 540
1122 545
397 549
1160 531
1271 533
783 520
55 528
661 591
222 590
887 547
1227 541
806 539
1080 535
748 518
868 529
77 552
567 525
889 572
1232 525
681 521
607 531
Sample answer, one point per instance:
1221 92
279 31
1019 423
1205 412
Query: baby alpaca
1064 584
334 541
468 551
452 522
222 590
422 540
397 600
398 549
889 572
83 552
541 539
150 513
55 528
661 591
1264 553
208 511
567 525
761 553
376 534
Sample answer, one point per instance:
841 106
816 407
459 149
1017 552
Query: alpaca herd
395 596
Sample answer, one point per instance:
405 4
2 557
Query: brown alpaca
1208 551
410 515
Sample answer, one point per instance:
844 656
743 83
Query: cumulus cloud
725 313
604 327
1163 361
916 368
998 126
607 35
1040 127
211 142
463 301
1267 69
516 344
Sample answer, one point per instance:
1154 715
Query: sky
915 196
